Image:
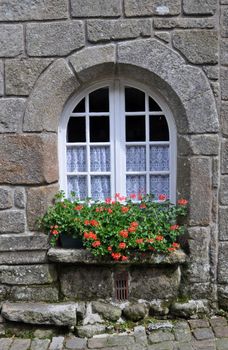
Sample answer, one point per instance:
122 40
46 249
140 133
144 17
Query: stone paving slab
181 335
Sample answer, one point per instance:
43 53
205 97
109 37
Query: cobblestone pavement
162 335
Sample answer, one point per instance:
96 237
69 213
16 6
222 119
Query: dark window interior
76 129
99 129
134 100
135 128
153 106
159 130
99 100
80 108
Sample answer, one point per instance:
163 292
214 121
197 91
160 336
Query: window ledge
82 256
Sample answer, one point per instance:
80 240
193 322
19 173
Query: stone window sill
81 256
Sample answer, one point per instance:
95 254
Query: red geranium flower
162 197
123 233
159 238
116 256
182 201
96 244
109 248
94 222
124 258
174 227
122 245
78 207
176 245
124 209
139 240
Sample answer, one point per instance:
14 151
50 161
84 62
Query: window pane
77 184
136 158
100 187
100 159
159 130
99 100
76 159
136 184
134 100
153 106
135 128
159 184
99 129
80 107
159 158
76 129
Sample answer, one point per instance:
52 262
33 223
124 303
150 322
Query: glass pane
100 187
99 100
136 158
134 100
159 184
99 129
76 159
76 129
135 128
80 107
77 184
136 184
153 106
159 130
159 158
100 159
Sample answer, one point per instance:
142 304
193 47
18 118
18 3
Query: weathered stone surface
224 21
160 336
41 313
21 153
103 30
19 198
190 308
57 343
4 290
203 333
40 344
224 157
222 262
23 10
182 332
91 62
200 169
224 119
212 72
224 190
75 343
85 257
197 290
151 7
221 344
224 83
161 283
199 265
164 36
224 51
5 343
12 221
1 79
198 324
27 274
21 74
6 198
205 145
166 345
48 98
218 321
16 242
39 293
223 223
42 333
197 46
189 23
159 307
199 7
98 8
221 332
223 296
11 40
21 344
90 330
107 311
41 39
11 114
38 200
86 283
135 312
16 258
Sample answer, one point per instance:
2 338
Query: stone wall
55 48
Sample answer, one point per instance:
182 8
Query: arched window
117 137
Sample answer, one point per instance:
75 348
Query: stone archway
188 94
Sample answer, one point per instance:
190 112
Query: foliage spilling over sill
117 227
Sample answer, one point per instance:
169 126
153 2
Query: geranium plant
117 226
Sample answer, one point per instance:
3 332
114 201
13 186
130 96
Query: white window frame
118 144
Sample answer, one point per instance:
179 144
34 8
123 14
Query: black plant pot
69 242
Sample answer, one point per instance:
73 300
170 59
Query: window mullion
147 144
87 145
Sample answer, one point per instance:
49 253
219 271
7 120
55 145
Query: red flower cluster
123 233
53 230
159 238
162 197
122 245
96 244
182 201
174 227
78 207
90 235
91 222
